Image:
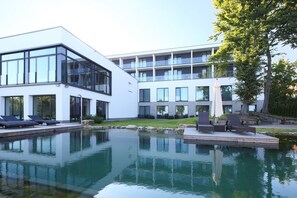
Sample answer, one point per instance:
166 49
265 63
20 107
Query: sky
118 26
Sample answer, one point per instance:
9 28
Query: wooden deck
247 139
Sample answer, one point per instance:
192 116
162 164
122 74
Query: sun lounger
11 121
203 123
235 124
40 120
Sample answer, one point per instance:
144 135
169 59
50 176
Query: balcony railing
162 78
201 75
181 61
146 79
163 63
182 77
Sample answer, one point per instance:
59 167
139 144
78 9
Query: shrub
97 119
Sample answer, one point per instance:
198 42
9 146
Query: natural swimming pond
124 163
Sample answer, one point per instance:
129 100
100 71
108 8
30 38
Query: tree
284 81
242 44
254 26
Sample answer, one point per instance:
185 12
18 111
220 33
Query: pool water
126 163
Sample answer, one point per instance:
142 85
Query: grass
174 123
158 123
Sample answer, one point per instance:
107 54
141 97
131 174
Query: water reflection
123 163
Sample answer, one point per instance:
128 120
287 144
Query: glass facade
75 108
101 109
144 111
162 111
202 93
12 69
226 92
203 108
162 95
14 105
144 95
45 106
227 109
181 111
181 94
53 64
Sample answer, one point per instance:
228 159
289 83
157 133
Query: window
15 146
162 95
181 111
202 93
45 106
181 94
201 57
203 108
144 111
144 95
101 109
162 111
12 71
226 92
42 65
227 109
14 106
145 62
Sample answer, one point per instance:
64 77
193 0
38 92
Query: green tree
255 26
242 44
284 80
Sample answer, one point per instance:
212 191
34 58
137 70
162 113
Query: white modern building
54 74
179 82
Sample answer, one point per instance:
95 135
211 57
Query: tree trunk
267 84
245 110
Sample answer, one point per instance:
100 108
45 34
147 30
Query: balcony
163 78
145 79
201 75
182 77
163 60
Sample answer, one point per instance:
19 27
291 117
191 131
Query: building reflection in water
88 162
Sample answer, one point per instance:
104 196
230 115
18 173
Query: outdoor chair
203 124
11 121
234 123
40 120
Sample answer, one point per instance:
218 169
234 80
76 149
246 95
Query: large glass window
226 92
181 94
144 142
162 95
42 65
201 57
145 62
144 95
162 111
203 108
12 71
202 93
101 109
227 109
14 106
45 106
181 111
144 111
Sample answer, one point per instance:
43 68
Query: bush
97 119
87 117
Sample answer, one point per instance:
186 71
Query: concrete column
93 107
28 106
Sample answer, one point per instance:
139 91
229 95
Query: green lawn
159 123
167 123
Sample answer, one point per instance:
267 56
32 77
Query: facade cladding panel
55 63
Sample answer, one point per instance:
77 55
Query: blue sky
117 26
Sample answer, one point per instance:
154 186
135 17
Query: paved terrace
39 129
